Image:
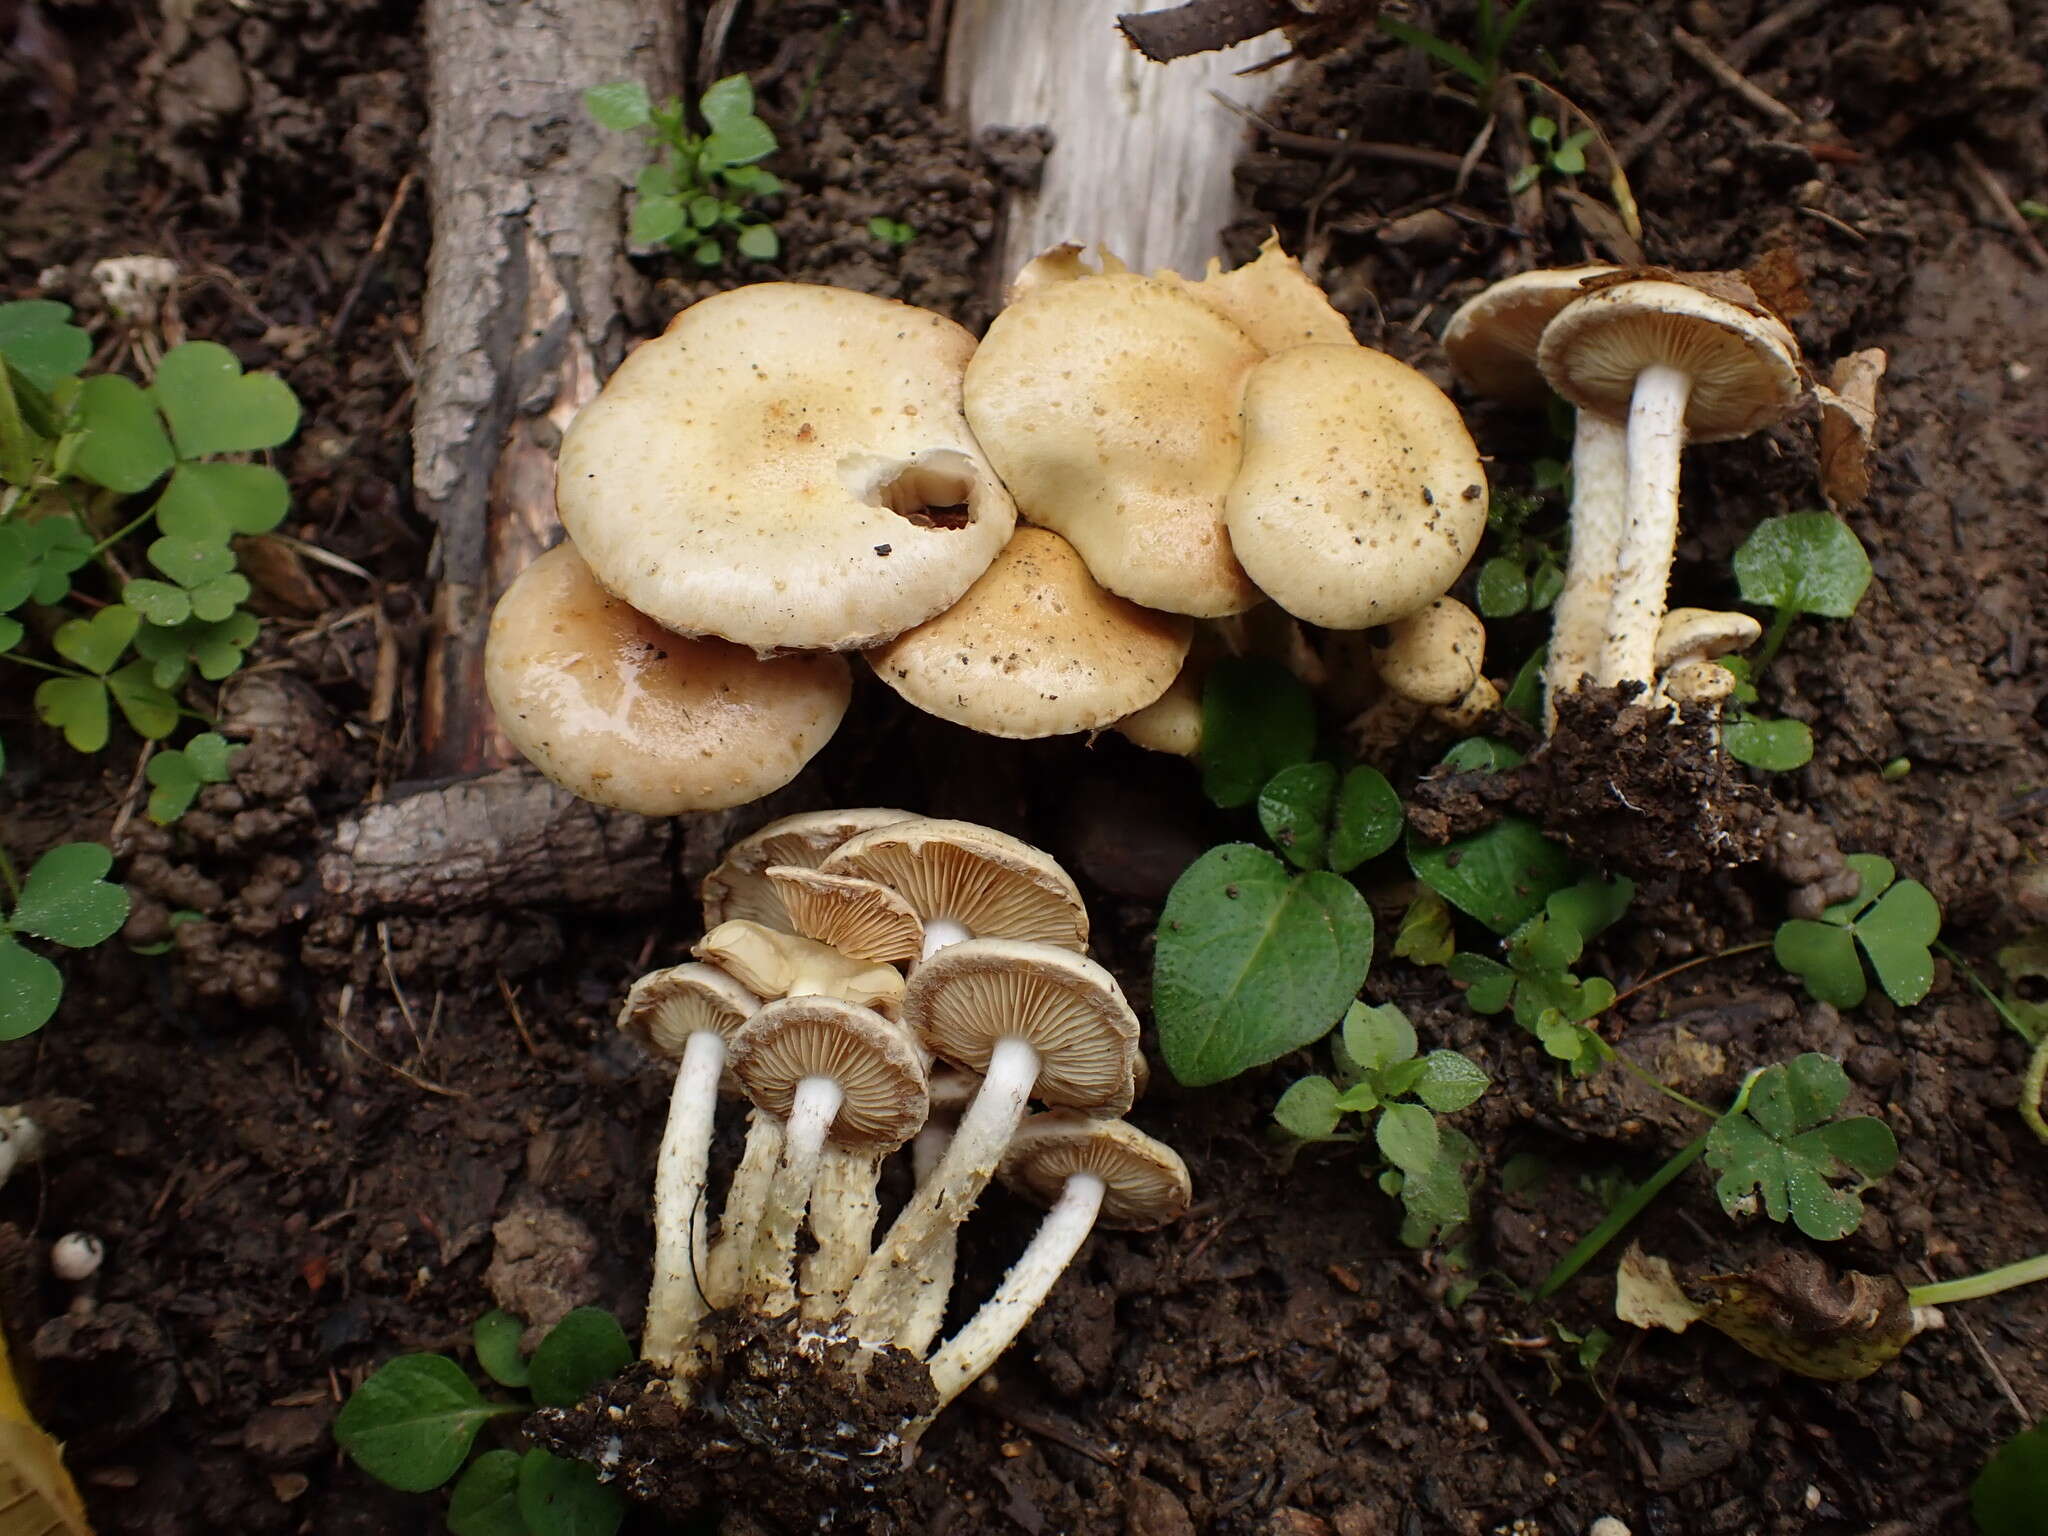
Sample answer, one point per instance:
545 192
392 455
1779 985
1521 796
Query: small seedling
1396 1094
1561 156
415 1422
1492 31
65 900
1893 922
695 196
1526 571
1802 563
1781 1143
1536 982
1774 746
893 233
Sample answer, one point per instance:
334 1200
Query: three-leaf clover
1782 1143
177 774
67 900
77 704
1894 922
1805 562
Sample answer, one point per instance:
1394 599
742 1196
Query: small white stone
76 1256
1607 1525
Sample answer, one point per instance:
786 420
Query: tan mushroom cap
1701 634
1146 1183
1036 648
1434 657
1361 494
877 1066
1109 405
786 466
620 711
771 964
664 1008
1271 299
739 886
858 918
970 995
1172 722
1492 339
1744 366
987 881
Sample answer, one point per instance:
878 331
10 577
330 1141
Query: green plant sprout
1536 981
1563 157
893 233
2023 961
1502 875
695 195
413 1424
1893 922
65 900
1775 746
1526 571
1396 1094
1492 31
1798 564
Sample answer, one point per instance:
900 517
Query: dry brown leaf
1848 427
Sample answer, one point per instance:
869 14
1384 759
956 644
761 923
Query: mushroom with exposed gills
771 964
860 919
620 711
1677 364
687 1014
967 881
825 1067
1036 1021
739 886
1090 1172
1688 641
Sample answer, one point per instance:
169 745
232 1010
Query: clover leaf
177 774
1775 746
1783 1144
210 503
67 900
214 407
215 649
122 446
37 337
1894 922
37 559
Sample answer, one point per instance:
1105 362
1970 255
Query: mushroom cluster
790 473
870 980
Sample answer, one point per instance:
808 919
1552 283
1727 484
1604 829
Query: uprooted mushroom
794 1335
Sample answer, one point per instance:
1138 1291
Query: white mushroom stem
843 1211
1656 443
1578 624
928 1313
745 1200
768 1280
941 931
21 1140
681 1258
1002 1317
903 1266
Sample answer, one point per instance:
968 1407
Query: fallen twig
1530 1429
1342 149
1702 54
382 239
1739 55
1994 189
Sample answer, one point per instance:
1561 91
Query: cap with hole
739 886
856 917
1148 1184
1109 405
618 710
983 881
1492 339
786 466
1036 648
664 1008
878 1067
1361 494
771 964
1434 657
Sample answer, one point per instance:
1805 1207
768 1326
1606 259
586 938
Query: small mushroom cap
1271 299
739 886
771 964
856 917
972 994
664 1008
1147 1184
1744 366
1492 339
1434 656
1701 634
1470 712
1109 405
618 710
1698 682
1361 494
1036 648
1172 722
876 1065
786 466
993 884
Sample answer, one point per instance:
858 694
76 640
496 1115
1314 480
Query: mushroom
76 1256
1433 657
771 964
786 466
1089 1172
1360 495
1677 364
1033 1020
1492 342
860 919
685 1014
1688 641
1036 648
739 886
967 881
618 710
952 1090
1270 298
21 1139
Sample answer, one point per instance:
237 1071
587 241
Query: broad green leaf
1257 718
157 601
176 784
412 1423
210 503
1426 935
727 101
1546 582
18 567
759 242
67 900
1898 934
149 710
1823 956
1251 964
97 643
1308 1111
1407 1137
11 633
1377 1038
213 407
212 754
1489 985
1807 562
1775 746
1480 754
1797 1095
497 1334
1295 809
1592 906
1864 1145
2010 1493
37 337
704 211
217 598
1450 1082
655 219
1502 590
1358 1099
740 142
78 707
657 180
565 1498
1367 821
621 105
708 253
1781 1150
1436 1196
486 1499
189 562
59 545
123 447
1502 876
30 989
584 1349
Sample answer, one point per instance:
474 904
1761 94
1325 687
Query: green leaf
1251 964
176 783
123 447
1295 808
19 559
621 105
1546 583
1502 876
1308 1110
97 643
2011 1491
1525 178
157 601
1407 1137
1570 158
584 1349
210 503
1806 562
411 1424
212 754
1898 934
759 242
1450 1082
217 599
497 1334
1426 936
1489 985
1797 1095
1542 129
1592 906
1775 746
708 253
740 142
11 633
1822 956
655 219
565 1498
1502 590
1358 1099
1257 718
486 1500
66 900
213 407
59 545
30 989
1874 876
1780 1150
1368 820
216 648
1378 1038
37 337
78 707
657 180
189 562
149 710
727 101
1448 54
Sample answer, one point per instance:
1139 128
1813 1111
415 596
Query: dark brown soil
322 1138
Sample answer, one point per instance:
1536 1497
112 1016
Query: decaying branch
1204 26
